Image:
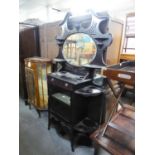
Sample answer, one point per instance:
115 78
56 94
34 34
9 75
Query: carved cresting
93 24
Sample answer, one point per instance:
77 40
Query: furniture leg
96 149
29 106
26 103
72 141
38 111
49 121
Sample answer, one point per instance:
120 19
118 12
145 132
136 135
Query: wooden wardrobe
29 46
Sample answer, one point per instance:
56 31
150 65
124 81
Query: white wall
44 14
116 8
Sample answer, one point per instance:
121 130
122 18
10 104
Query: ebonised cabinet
77 106
75 103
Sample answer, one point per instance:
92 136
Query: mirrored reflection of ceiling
50 10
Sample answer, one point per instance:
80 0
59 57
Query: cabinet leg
29 106
96 151
49 123
48 126
38 111
49 120
72 142
26 103
72 145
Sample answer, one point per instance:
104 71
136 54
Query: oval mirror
79 49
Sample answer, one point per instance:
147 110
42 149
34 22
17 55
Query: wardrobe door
29 46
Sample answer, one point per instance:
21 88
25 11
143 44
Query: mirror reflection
79 49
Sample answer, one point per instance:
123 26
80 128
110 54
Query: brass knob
66 84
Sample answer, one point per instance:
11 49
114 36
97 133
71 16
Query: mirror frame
90 60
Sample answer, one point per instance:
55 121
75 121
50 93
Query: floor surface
36 139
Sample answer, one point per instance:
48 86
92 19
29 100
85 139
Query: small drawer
66 85
52 79
59 83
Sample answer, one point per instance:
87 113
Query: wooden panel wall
113 51
48 45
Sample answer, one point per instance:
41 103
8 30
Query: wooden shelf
129 57
130 35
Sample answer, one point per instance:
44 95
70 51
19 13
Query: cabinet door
28 47
60 108
29 43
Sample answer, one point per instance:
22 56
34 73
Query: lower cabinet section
76 114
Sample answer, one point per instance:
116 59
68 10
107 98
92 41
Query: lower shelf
63 98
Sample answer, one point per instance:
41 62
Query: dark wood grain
119 137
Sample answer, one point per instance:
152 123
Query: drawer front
61 84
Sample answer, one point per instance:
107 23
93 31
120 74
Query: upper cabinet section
85 38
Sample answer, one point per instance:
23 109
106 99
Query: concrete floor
36 139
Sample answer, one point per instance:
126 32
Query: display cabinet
36 70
